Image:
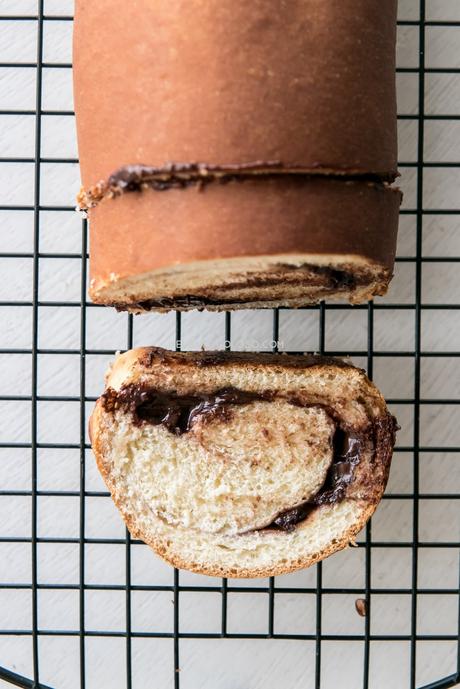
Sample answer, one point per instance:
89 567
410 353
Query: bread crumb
361 607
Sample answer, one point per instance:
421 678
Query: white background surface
218 663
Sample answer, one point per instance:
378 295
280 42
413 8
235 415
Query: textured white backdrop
218 664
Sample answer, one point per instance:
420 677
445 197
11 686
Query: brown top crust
308 83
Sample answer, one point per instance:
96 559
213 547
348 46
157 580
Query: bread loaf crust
222 82
296 99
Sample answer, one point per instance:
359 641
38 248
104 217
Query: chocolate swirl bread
242 465
237 153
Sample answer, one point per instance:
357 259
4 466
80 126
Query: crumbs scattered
361 607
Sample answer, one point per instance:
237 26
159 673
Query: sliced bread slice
242 465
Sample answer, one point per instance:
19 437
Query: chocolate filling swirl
178 413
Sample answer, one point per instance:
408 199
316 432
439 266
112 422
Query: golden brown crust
132 366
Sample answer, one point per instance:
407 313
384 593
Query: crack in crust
130 178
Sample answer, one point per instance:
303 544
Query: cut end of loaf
242 465
265 282
285 241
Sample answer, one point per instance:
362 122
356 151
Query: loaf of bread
237 153
242 465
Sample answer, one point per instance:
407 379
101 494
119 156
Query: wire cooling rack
83 605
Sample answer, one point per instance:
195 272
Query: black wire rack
272 590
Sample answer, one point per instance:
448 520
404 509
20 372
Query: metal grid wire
318 589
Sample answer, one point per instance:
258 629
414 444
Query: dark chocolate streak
347 448
178 413
135 177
